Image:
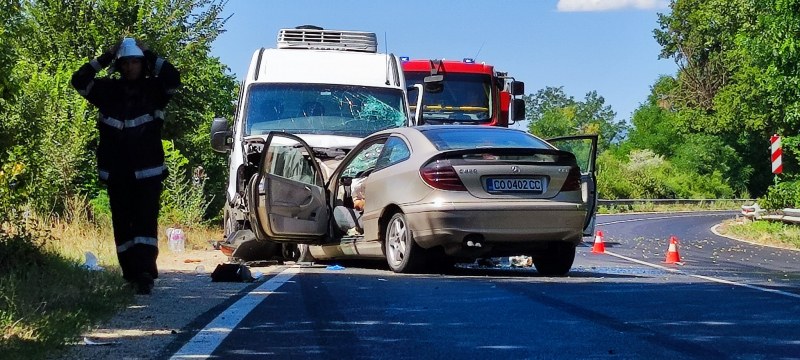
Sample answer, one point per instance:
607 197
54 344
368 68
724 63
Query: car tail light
573 181
441 175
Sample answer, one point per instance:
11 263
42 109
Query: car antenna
479 50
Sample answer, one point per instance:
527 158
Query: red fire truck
470 93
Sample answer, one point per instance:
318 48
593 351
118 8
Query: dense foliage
49 134
704 131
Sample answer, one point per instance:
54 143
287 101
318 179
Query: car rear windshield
481 137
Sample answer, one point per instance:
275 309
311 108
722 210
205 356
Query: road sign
777 164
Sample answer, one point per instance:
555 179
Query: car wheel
402 252
556 260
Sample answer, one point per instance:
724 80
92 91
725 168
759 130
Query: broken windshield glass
344 110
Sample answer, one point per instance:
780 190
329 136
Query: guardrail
787 215
669 201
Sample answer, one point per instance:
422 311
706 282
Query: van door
288 193
584 147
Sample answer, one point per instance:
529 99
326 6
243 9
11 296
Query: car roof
422 128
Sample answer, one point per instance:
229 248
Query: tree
654 123
552 113
52 130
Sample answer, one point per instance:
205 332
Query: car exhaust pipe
473 240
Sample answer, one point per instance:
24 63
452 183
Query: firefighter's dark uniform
130 157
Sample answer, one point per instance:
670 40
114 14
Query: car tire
402 253
556 260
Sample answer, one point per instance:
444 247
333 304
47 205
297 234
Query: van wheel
401 251
556 260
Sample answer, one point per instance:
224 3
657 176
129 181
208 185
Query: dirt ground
182 293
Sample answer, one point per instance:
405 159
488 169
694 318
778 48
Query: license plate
537 185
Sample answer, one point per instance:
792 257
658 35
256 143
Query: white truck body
336 69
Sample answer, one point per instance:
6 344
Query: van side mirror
519 110
221 135
517 88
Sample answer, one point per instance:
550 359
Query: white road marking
707 278
203 344
716 232
656 218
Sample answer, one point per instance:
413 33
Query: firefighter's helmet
129 49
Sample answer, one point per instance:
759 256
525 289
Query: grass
764 232
47 300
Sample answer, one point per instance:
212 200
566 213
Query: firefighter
130 158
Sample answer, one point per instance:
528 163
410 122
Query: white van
329 87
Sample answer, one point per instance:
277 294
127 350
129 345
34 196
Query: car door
584 147
288 192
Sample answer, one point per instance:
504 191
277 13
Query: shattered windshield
344 110
464 98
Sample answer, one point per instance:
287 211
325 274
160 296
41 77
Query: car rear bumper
509 224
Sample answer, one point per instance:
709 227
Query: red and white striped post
775 147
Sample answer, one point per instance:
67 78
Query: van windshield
344 110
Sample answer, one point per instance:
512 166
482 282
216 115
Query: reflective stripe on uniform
137 240
119 124
86 91
138 121
159 63
150 172
96 65
112 122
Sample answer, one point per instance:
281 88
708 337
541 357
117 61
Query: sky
581 45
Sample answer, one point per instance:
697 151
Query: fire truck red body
471 93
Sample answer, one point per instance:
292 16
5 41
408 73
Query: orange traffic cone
599 246
672 252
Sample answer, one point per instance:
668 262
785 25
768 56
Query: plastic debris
382 280
91 262
176 239
334 267
521 261
91 342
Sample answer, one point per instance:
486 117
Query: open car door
585 149
287 196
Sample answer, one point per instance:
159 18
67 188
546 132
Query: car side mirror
221 135
519 110
517 88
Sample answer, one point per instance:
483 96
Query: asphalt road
727 300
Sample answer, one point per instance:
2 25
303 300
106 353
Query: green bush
783 195
182 200
642 174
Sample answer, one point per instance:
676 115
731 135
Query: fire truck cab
471 93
